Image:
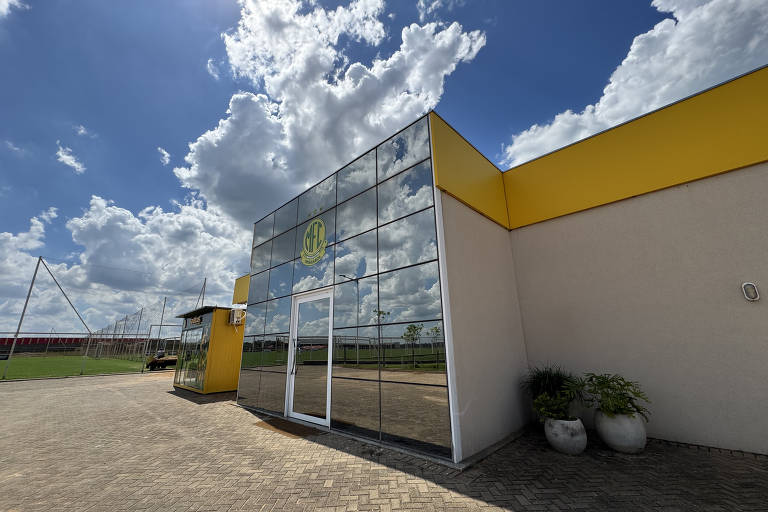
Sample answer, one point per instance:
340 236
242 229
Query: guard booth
211 345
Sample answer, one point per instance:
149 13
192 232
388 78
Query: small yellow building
211 344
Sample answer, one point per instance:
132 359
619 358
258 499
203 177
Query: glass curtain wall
380 254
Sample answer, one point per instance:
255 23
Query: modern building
403 298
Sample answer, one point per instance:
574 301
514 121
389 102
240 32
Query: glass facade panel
272 391
356 215
285 217
260 257
377 247
252 348
404 149
408 241
278 315
356 257
413 353
254 319
416 416
317 199
357 176
280 280
315 276
411 293
355 302
283 247
262 230
257 288
406 193
302 236
275 353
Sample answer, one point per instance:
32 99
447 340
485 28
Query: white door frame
291 371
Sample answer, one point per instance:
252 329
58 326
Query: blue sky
92 89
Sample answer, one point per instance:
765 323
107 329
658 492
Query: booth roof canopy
200 311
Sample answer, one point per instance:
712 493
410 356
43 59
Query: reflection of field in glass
420 358
23 367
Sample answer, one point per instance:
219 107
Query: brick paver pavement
131 443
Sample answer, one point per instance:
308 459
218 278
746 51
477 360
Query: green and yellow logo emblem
313 247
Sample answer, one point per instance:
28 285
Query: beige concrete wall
650 287
488 350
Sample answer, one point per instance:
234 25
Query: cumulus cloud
706 43
82 131
165 157
48 215
6 5
65 156
428 8
212 69
315 110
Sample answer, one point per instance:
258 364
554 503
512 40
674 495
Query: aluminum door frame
291 370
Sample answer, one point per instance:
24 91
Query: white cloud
48 215
13 147
65 156
5 6
427 8
707 43
165 157
82 131
212 69
316 110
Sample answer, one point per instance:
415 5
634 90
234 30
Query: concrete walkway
132 443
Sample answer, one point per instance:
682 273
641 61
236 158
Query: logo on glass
313 247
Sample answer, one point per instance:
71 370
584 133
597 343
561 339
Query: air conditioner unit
236 317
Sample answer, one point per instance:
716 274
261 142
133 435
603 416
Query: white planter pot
621 432
566 436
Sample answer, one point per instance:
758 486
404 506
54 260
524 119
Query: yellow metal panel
719 130
241 289
222 371
463 172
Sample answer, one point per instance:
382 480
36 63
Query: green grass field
28 367
396 358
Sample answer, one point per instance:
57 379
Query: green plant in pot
620 416
553 390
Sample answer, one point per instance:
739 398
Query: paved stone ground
132 443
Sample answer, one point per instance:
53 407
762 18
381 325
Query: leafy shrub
552 389
613 395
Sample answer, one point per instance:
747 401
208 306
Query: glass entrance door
309 383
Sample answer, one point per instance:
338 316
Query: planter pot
566 436
621 432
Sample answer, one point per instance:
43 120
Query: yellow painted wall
240 295
464 173
719 130
226 346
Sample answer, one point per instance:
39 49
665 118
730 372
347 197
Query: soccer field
27 367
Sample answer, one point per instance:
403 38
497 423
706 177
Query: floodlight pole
23 311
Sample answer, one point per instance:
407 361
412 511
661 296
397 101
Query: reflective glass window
272 391
404 149
303 234
252 347
405 193
407 241
356 215
285 217
248 387
317 199
416 416
414 353
411 293
262 230
353 306
257 287
309 277
280 280
283 247
260 257
357 176
275 353
278 315
254 319
356 257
